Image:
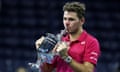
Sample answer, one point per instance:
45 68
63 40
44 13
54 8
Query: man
82 52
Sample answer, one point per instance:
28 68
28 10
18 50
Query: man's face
71 22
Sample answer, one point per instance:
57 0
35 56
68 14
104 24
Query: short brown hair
77 7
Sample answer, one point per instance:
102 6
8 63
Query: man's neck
75 36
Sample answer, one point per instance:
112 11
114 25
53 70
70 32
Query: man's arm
77 67
85 67
47 67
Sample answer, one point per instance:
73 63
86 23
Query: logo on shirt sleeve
94 56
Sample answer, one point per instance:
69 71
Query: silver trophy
44 53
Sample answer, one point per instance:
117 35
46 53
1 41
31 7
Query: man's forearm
78 67
47 67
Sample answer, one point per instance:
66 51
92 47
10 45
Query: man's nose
67 23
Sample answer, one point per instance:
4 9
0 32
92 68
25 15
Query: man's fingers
61 46
39 41
55 48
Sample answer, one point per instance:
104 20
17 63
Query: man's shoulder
91 37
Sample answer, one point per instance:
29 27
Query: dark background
22 22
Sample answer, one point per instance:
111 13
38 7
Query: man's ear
82 20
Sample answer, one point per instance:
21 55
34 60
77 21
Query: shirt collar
80 38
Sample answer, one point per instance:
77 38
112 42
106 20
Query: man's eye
71 19
64 18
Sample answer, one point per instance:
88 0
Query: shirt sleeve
92 52
55 61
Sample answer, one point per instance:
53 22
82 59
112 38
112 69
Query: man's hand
39 41
62 49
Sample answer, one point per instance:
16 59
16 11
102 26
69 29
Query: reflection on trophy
44 53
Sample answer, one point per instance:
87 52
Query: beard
72 31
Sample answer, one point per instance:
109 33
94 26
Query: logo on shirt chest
83 43
77 48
